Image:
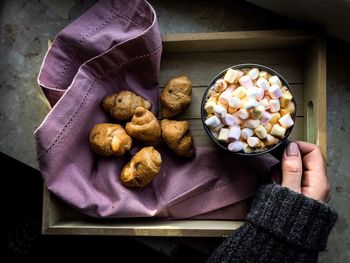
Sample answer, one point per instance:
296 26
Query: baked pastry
144 126
122 105
109 139
176 134
142 168
176 96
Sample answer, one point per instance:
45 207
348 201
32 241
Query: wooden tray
298 55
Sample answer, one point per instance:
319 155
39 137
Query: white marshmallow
223 135
240 92
243 114
254 73
230 75
274 105
220 85
220 111
274 80
265 103
213 121
234 102
278 131
270 140
235 146
261 132
246 81
234 133
257 112
246 133
229 119
263 83
250 104
252 92
260 93
251 123
209 106
253 142
225 96
275 92
265 118
286 121
238 121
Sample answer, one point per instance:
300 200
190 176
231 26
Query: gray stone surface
26 26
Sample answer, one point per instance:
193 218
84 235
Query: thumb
292 168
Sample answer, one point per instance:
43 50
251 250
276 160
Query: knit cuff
293 217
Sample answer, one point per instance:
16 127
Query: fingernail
292 149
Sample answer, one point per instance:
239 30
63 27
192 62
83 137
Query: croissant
176 96
122 105
144 126
109 139
176 135
142 168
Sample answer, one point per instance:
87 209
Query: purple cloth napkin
113 46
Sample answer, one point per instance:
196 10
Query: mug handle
278 151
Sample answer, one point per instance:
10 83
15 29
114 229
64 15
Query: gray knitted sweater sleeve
282 226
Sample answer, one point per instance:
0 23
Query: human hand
303 170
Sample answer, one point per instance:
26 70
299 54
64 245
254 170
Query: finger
312 157
292 168
306 148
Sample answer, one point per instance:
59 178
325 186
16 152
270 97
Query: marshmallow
240 92
231 110
257 112
243 114
270 140
252 92
259 94
274 105
220 85
223 135
275 117
220 111
250 104
284 112
225 97
263 74
265 103
238 120
263 83
234 133
286 121
278 131
275 92
246 81
246 133
254 142
234 102
274 80
209 106
235 146
251 123
265 118
285 99
212 121
215 134
218 127
254 73
290 107
261 132
246 148
268 127
229 120
230 75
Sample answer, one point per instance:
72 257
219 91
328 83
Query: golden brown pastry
176 134
176 96
144 126
109 139
142 168
122 105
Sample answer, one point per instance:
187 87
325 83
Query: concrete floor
26 26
